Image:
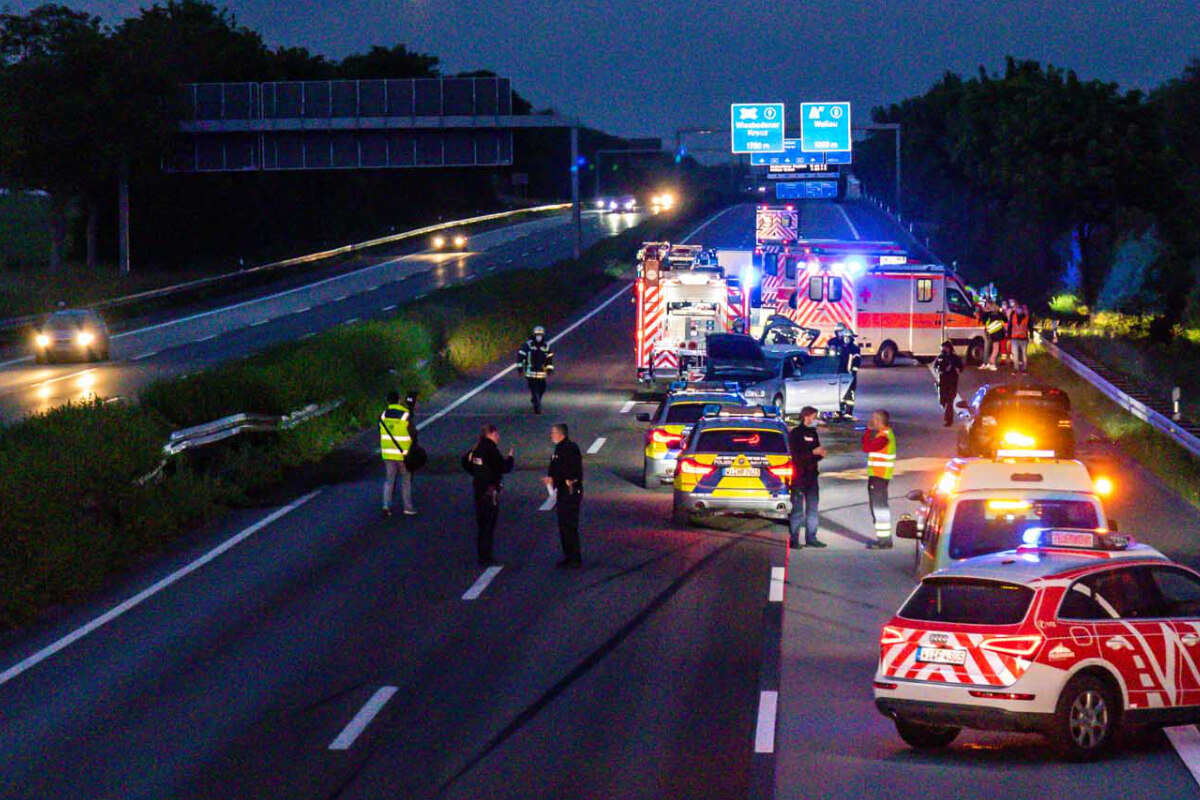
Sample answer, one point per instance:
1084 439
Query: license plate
938 655
742 472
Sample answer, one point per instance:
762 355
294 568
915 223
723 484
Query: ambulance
679 303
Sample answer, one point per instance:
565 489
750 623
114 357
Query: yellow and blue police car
672 421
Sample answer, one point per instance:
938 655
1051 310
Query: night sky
645 68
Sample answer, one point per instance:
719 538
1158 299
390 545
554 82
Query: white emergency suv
679 303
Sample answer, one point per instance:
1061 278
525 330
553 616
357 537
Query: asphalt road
198 338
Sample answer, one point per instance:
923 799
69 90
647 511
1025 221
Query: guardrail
235 425
1159 421
15 323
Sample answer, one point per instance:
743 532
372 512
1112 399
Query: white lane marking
709 221
308 335
59 379
363 718
144 355
625 409
306 309
596 445
340 298
481 583
849 224
351 321
208 338
152 590
389 308
764 731
420 297
260 322
549 504
490 269
525 254
20 360
775 594
1186 741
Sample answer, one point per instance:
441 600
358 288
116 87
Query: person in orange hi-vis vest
879 443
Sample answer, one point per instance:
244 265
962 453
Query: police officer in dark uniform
806 449
850 355
948 367
487 467
536 361
566 476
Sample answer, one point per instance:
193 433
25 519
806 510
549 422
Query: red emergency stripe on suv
980 667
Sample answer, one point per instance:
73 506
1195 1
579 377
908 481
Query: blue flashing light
856 265
1032 537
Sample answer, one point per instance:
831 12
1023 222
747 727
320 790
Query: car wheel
39 358
1085 719
649 479
975 351
925 737
886 356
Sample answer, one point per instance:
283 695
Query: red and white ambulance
1072 635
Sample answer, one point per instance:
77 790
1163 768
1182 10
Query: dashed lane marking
596 445
363 718
764 730
260 322
481 583
625 409
1186 741
351 321
778 576
151 354
389 308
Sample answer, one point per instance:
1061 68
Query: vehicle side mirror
916 495
1113 526
906 528
643 417
961 404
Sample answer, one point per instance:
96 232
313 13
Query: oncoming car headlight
42 340
460 241
85 338
439 241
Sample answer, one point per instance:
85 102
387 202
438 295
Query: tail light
1023 646
891 635
689 466
784 471
659 436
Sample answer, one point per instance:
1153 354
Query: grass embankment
1174 465
72 512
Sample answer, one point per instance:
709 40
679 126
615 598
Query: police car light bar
1021 453
1076 539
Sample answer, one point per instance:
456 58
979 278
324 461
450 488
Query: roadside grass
1157 452
74 513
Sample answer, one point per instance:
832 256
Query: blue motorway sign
824 127
838 157
756 127
791 156
806 190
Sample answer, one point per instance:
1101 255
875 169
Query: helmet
539 331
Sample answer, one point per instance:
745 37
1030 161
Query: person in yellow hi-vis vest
879 443
395 440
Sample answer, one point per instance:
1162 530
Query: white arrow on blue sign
824 127
756 127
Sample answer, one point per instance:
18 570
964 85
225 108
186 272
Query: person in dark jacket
948 367
566 476
536 361
487 467
806 450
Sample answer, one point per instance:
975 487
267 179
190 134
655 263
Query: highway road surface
311 649
160 347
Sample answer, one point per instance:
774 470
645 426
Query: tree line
81 100
1043 182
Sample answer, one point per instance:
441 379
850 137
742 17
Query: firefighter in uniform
879 443
395 440
566 476
850 355
536 361
948 367
487 468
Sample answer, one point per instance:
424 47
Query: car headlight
599 204
439 241
85 338
460 241
629 204
612 204
42 340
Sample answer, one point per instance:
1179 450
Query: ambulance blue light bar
1076 539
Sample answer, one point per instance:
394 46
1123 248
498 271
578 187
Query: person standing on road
487 468
879 443
395 440
565 475
1018 332
536 361
995 325
948 367
849 360
806 449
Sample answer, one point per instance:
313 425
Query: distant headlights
439 242
460 241
84 338
42 340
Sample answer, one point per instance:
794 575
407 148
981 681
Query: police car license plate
938 655
742 472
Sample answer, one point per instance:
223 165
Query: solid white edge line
596 445
389 308
208 338
764 730
260 322
481 583
351 321
548 504
775 593
625 409
850 224
363 718
152 590
1186 741
144 355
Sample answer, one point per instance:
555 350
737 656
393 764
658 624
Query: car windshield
734 348
749 440
968 602
65 320
687 413
1025 401
989 526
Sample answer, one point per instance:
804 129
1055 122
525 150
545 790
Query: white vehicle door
814 382
928 319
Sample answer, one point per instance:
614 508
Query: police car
1073 635
672 421
734 463
981 506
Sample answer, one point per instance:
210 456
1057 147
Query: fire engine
680 302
